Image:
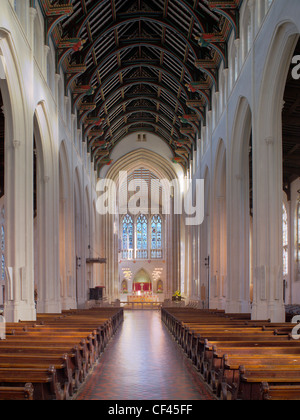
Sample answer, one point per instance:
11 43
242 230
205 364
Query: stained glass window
127 237
285 242
142 237
156 237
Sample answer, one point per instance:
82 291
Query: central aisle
142 362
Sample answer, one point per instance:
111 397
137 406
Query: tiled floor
142 362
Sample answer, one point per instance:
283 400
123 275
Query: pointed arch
142 281
19 223
268 178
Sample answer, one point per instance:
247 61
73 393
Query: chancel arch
144 165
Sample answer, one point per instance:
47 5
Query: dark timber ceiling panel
141 65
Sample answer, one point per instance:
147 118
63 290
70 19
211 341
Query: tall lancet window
285 241
127 239
156 237
142 237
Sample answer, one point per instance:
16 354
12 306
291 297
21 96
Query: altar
143 298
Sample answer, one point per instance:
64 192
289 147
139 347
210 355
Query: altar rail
141 305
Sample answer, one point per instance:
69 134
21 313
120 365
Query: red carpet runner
142 362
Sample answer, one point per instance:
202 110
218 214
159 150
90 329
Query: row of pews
238 358
50 358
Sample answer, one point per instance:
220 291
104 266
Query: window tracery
142 237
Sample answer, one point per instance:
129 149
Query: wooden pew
280 392
219 344
197 348
250 380
227 378
212 357
70 342
65 368
24 393
46 386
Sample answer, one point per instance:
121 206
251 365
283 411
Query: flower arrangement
177 296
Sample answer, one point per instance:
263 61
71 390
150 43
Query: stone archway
268 178
19 283
160 166
142 282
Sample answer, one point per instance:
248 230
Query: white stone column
226 79
267 230
19 301
238 230
32 16
49 245
19 297
169 246
62 251
219 258
111 268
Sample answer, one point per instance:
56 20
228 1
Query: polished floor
142 362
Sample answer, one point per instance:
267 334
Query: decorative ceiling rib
140 66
